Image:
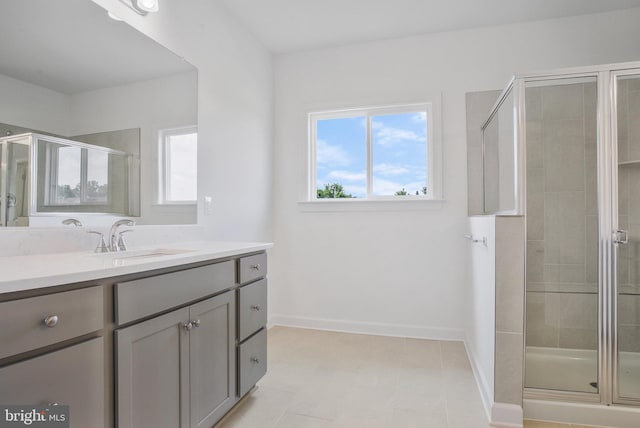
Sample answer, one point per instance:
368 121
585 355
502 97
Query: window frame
51 179
164 163
433 152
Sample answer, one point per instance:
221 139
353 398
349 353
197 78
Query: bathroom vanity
163 337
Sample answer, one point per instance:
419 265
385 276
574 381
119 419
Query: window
178 165
382 153
76 175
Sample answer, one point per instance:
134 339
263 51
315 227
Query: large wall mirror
96 119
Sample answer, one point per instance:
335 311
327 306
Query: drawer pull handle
256 267
187 326
196 323
255 307
52 404
255 360
51 321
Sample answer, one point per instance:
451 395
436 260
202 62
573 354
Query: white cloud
419 117
347 175
327 154
390 187
386 169
386 135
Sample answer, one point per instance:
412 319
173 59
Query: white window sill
345 205
175 204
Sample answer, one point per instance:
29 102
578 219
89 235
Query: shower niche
43 176
562 148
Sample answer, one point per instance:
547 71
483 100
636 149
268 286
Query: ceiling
72 46
294 25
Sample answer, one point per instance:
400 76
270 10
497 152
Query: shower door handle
621 236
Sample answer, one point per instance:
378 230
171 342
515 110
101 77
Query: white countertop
21 273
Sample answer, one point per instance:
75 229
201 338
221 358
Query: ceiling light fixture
142 7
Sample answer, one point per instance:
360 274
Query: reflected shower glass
498 145
628 255
562 235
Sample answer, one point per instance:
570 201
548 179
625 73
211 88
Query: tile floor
320 379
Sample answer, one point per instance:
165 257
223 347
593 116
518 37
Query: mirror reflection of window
179 149
68 174
97 177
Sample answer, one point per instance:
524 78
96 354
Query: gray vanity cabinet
212 360
72 376
178 369
153 372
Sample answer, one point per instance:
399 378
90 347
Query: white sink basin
138 255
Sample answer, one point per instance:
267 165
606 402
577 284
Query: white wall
234 111
404 271
481 306
34 107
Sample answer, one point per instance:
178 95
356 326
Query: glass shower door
628 247
562 235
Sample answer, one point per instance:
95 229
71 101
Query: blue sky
399 153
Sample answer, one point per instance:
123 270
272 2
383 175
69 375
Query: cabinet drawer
147 296
253 308
23 321
72 376
253 267
252 361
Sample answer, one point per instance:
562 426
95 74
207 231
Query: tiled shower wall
562 300
629 214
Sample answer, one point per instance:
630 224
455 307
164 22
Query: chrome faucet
116 242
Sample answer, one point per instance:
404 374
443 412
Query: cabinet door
212 358
153 373
72 376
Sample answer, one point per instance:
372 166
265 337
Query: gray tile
535 261
591 243
542 320
508 369
590 110
564 155
533 103
562 102
591 177
510 249
578 321
634 125
629 338
623 190
535 147
535 204
478 106
564 223
629 309
565 273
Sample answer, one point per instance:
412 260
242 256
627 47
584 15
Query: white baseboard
372 328
505 415
486 393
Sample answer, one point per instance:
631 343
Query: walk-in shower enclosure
563 149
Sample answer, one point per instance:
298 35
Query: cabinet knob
51 321
196 323
255 360
256 267
187 326
255 307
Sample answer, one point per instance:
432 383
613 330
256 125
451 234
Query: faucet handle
122 244
102 244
